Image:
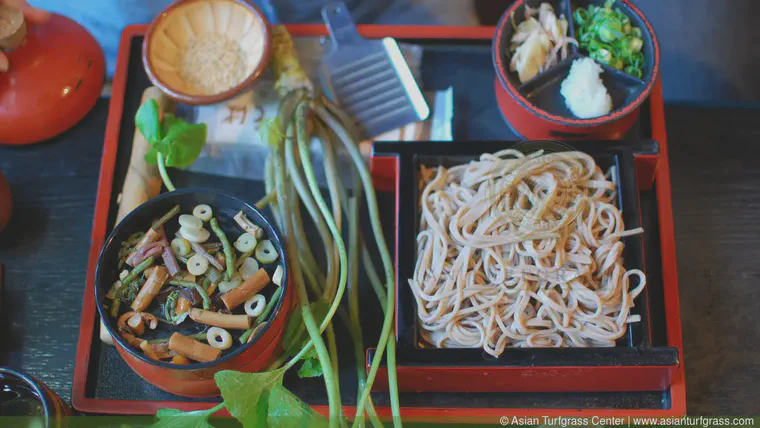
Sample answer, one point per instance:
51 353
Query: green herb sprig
173 141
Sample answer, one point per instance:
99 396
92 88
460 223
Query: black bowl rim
500 67
192 366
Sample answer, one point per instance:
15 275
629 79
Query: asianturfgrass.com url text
684 421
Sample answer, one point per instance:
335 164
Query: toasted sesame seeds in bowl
206 51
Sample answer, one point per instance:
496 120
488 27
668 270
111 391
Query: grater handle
340 24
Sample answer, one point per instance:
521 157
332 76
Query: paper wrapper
234 146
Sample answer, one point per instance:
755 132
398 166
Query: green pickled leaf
172 418
246 395
296 336
148 122
288 411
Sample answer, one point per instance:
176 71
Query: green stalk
266 200
308 201
164 175
229 253
198 288
168 216
374 278
302 192
314 187
386 334
328 159
331 383
269 187
264 315
353 293
351 207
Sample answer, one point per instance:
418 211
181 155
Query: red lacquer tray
103 384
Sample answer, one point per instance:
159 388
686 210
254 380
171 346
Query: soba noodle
522 251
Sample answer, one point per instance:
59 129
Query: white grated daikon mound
584 92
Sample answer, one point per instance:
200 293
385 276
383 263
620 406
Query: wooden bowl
192 37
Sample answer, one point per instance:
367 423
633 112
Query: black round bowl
225 207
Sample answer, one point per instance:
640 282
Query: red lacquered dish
195 379
54 79
535 109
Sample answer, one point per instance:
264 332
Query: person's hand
33 16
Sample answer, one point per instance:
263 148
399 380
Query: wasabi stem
294 169
314 187
331 384
386 335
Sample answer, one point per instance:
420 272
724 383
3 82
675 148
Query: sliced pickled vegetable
181 246
203 212
197 265
249 267
277 277
226 286
195 235
219 338
190 222
255 305
245 243
265 252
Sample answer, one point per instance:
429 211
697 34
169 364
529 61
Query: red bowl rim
276 312
214 98
500 67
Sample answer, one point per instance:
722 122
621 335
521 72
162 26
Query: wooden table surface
716 196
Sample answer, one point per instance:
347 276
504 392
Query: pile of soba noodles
519 250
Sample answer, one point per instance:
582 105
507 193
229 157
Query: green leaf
296 336
183 143
151 157
311 366
246 395
172 418
286 411
148 122
167 123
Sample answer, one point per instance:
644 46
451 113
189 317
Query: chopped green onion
608 37
633 71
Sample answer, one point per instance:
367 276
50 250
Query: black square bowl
634 349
